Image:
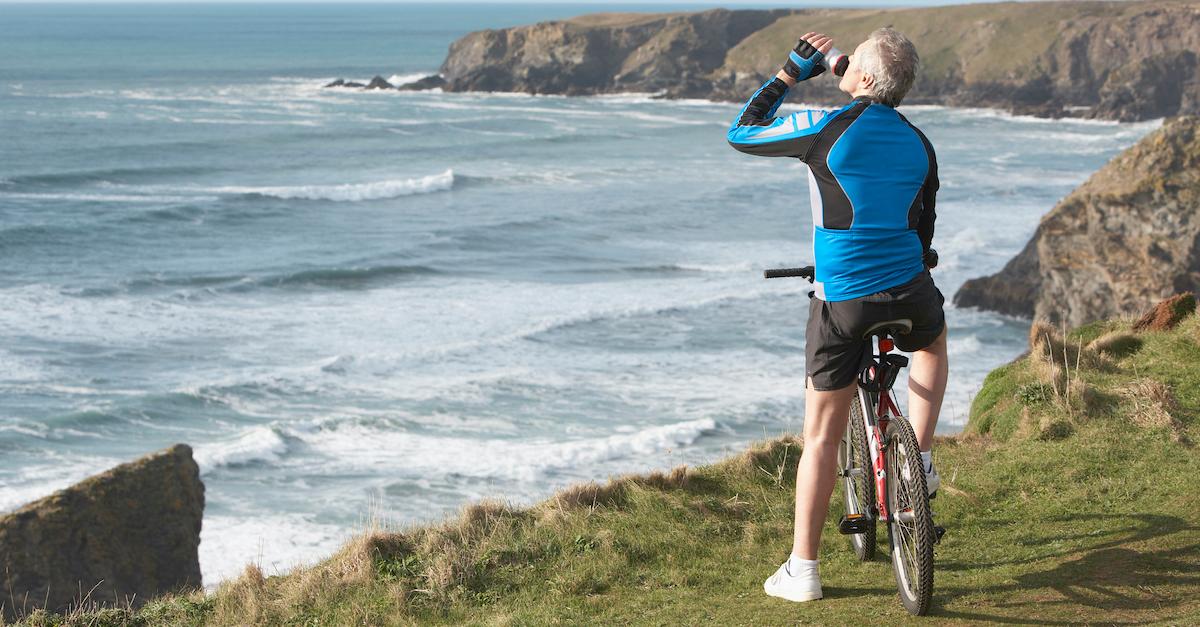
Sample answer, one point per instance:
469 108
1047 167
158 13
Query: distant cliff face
1111 60
1119 243
121 536
602 53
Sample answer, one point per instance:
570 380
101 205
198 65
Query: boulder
120 537
1124 240
380 82
428 82
341 82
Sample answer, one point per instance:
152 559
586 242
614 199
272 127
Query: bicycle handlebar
807 272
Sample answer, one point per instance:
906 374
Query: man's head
884 67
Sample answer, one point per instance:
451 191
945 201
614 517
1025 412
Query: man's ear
867 81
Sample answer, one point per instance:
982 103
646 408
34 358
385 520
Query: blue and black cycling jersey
872 183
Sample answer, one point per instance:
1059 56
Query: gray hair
892 60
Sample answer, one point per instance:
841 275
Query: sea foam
260 444
350 192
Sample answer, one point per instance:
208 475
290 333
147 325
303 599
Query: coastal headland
1104 60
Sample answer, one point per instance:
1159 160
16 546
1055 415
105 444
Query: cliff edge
1125 239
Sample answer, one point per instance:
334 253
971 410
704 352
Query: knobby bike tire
911 544
858 491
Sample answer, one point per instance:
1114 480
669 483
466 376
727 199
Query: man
872 182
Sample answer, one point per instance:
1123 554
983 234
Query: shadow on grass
1107 576
1140 527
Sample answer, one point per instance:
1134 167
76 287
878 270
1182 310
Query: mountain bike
880 465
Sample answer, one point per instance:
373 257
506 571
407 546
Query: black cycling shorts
835 349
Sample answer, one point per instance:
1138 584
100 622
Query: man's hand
804 62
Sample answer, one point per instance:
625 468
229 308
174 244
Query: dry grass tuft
613 493
356 562
1049 344
677 478
1116 344
1048 372
1154 407
590 495
1061 364
1041 333
456 553
486 513
243 600
771 458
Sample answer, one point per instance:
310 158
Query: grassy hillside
998 42
1069 499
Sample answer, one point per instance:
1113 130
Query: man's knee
825 415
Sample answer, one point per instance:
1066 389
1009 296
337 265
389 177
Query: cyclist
872 180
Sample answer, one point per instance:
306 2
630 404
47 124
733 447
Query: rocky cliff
1111 60
604 52
1121 242
121 536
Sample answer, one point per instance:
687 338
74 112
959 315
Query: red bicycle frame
885 408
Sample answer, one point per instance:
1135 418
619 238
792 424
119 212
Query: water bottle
835 61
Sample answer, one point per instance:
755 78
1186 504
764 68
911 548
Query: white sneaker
933 481
803 586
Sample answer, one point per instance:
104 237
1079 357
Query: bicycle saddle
900 326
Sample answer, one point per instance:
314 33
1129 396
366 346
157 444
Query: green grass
1058 511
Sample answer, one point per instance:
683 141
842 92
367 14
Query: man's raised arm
757 131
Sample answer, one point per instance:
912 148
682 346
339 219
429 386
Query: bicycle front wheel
910 528
858 479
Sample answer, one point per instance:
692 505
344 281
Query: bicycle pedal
852 524
938 531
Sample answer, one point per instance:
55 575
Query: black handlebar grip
806 272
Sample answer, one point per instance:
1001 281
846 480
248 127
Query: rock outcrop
1111 60
341 82
380 82
606 52
428 82
1119 243
119 537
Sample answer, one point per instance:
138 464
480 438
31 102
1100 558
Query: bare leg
825 415
926 387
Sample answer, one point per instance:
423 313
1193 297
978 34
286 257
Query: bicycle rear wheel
858 479
910 529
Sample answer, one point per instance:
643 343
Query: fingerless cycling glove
804 62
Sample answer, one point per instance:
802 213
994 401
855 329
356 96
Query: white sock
927 459
794 564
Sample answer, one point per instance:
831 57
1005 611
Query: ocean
378 306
